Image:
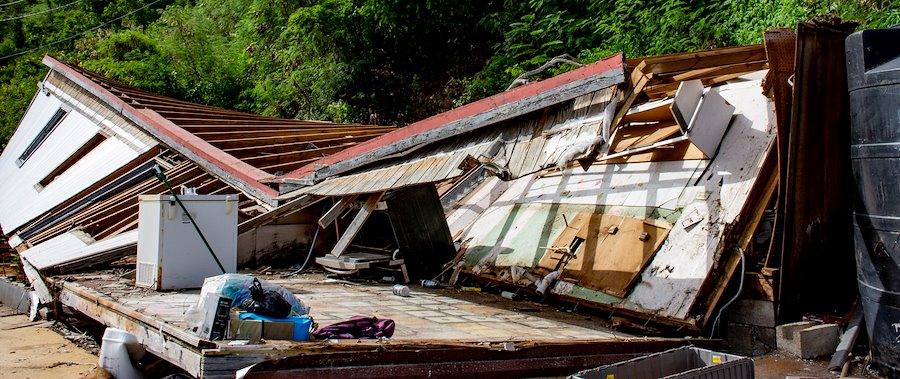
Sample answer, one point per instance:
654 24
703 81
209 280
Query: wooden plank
657 111
336 210
358 221
780 45
163 340
705 59
711 72
639 80
642 135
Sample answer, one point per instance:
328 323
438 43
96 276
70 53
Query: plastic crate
681 363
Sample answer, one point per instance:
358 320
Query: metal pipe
162 178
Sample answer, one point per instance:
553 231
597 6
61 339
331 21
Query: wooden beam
162 339
336 210
357 224
663 64
262 156
712 72
639 79
309 137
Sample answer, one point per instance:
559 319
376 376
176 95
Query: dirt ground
779 366
34 350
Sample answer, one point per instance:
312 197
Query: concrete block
787 336
806 340
750 340
820 340
753 312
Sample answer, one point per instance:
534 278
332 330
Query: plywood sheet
604 261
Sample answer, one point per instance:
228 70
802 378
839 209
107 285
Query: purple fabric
357 327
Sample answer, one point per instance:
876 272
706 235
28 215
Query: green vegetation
369 61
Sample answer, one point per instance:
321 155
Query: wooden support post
336 210
357 224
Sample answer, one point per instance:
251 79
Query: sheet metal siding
67 247
20 201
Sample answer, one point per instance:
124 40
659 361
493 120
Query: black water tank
873 73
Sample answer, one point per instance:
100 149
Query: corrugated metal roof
504 106
516 147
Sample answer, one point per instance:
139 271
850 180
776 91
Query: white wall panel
20 200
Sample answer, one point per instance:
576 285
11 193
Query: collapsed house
87 147
641 232
639 188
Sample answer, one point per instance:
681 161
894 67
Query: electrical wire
41 12
23 52
11 3
736 295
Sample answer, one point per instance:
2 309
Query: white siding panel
20 201
68 247
42 108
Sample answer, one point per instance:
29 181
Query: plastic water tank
117 351
873 72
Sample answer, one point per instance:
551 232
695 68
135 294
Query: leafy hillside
370 61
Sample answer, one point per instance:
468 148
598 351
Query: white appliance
170 253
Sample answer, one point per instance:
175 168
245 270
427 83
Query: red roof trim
465 111
162 127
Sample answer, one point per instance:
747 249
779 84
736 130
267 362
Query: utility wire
41 12
23 52
11 3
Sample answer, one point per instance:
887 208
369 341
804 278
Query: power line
11 3
23 52
41 12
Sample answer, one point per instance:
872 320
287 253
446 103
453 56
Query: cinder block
787 336
753 312
750 340
819 340
805 339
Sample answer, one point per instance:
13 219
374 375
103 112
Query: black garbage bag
266 303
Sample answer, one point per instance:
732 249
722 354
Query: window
82 151
42 136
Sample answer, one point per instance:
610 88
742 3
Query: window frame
42 136
77 156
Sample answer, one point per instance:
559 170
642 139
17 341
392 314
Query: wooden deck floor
429 319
